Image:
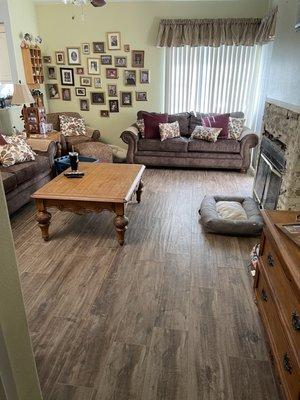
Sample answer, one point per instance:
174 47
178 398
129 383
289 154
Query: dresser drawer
284 293
283 352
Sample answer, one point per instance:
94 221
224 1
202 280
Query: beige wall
138 24
284 83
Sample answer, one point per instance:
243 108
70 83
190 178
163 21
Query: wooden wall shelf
33 66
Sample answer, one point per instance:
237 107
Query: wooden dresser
277 291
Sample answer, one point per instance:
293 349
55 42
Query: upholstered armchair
67 142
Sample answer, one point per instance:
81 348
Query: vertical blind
213 79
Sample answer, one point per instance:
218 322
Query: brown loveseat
187 152
92 135
20 181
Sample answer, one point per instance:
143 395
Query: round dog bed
240 217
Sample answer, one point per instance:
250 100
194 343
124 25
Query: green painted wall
138 24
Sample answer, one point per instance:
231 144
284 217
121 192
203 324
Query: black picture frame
113 106
98 98
63 81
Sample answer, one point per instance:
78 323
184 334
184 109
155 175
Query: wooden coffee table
103 187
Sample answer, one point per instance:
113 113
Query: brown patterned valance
216 32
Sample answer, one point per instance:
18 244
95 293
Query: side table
53 136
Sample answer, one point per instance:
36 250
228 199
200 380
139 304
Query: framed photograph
53 91
114 40
73 55
47 59
51 72
98 47
127 48
112 73
97 97
106 59
104 113
85 48
138 58
80 91
144 76
84 105
130 77
60 57
93 66
97 83
67 76
112 90
141 96
120 61
126 99
85 81
66 94
113 106
80 71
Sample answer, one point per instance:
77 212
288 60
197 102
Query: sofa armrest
94 134
130 136
248 140
50 152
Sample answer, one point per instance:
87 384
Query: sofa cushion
206 133
9 181
70 126
183 120
169 130
25 171
195 118
220 146
217 121
53 118
3 142
152 125
177 145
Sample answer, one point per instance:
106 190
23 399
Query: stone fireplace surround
282 122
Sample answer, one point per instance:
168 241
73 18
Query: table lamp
32 115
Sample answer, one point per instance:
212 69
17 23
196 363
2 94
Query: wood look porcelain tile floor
168 316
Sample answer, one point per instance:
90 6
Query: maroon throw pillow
3 142
217 121
152 125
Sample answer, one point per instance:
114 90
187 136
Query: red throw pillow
217 121
3 142
152 125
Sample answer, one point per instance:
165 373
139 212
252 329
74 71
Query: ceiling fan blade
98 3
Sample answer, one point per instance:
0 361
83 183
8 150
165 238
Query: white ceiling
127 1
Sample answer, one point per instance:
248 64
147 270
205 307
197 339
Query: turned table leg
121 222
43 218
139 191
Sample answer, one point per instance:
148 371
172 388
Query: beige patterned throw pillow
141 127
206 133
71 126
169 130
19 146
8 155
235 127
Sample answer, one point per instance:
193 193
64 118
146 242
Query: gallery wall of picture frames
75 69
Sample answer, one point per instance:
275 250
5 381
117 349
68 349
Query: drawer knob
270 260
264 295
287 364
296 321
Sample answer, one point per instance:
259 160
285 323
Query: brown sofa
187 152
92 135
20 181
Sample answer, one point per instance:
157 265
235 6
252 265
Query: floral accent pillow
169 130
71 126
206 133
235 127
8 155
141 127
23 152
